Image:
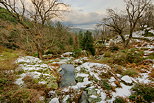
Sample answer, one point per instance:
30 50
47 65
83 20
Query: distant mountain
77 30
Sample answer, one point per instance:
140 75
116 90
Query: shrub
107 54
148 34
142 93
151 56
118 69
33 84
119 100
152 73
77 53
134 56
106 85
5 15
120 58
130 72
113 47
21 95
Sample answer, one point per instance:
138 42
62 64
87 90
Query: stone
67 75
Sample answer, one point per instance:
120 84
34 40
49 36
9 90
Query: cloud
80 18
87 13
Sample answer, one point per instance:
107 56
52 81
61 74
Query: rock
127 79
84 97
35 68
66 99
94 99
28 60
67 54
92 91
54 100
68 75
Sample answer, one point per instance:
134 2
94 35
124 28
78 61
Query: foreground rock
35 68
67 75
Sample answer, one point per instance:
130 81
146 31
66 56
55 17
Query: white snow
92 67
28 59
144 78
54 100
65 99
81 75
81 85
127 79
125 91
113 84
33 67
65 60
66 54
147 52
112 79
93 96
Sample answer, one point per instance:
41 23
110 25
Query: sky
86 14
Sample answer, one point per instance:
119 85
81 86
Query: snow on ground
67 54
124 91
94 68
35 68
144 78
63 60
28 60
127 79
139 34
86 72
54 100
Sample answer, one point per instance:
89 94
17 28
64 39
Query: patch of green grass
5 15
130 72
119 100
151 56
7 55
142 93
106 85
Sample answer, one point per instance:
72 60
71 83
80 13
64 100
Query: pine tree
86 42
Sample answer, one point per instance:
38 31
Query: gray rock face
84 97
67 75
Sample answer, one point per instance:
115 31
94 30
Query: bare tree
148 18
45 10
135 10
41 12
116 23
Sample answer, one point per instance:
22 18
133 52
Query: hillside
49 63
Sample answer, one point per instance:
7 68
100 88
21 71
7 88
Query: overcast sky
87 13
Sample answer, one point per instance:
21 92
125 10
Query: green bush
130 72
148 34
119 100
113 47
6 15
107 54
120 58
151 56
142 93
134 56
106 85
77 52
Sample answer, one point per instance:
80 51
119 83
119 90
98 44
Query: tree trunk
123 40
40 54
39 51
130 37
